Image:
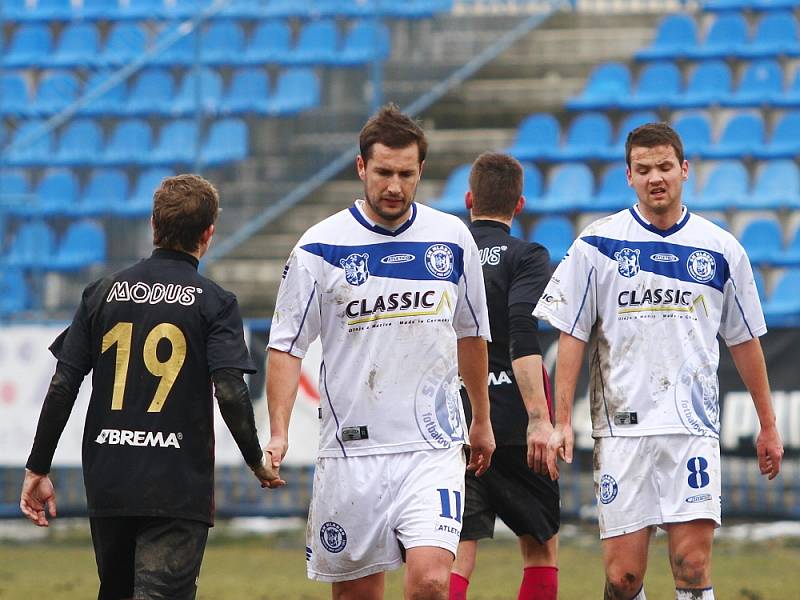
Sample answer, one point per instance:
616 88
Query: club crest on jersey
608 489
439 261
333 537
355 268
627 262
701 265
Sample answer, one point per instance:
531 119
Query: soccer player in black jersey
156 335
516 487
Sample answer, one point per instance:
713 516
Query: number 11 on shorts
444 496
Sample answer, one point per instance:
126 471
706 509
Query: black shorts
148 558
526 501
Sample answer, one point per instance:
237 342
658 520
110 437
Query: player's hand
275 451
770 451
559 446
539 432
38 497
481 446
267 474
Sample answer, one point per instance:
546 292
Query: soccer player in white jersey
650 288
395 291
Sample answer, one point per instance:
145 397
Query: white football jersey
388 307
653 302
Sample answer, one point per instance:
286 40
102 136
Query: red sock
458 587
539 583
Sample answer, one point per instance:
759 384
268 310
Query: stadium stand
675 35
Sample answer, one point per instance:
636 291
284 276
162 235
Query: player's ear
520 205
361 167
468 200
205 237
685 170
628 176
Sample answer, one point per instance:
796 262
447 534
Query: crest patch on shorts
333 537
608 489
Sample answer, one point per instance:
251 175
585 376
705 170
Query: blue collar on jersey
662 232
382 230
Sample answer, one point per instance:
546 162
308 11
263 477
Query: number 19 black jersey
152 334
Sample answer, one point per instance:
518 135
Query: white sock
684 594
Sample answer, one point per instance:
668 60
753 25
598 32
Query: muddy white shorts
365 510
654 480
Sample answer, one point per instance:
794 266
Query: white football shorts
655 480
366 509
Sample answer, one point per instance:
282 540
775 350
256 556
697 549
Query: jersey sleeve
296 321
530 276
742 318
569 301
471 316
73 346
226 347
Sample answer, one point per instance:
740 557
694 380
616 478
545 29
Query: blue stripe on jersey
583 301
667 266
396 260
305 314
382 230
471 310
324 371
662 232
741 309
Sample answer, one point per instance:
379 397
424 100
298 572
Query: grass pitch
272 567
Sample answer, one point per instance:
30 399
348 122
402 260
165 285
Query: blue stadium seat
776 35
317 44
111 102
83 245
709 83
616 151
140 202
416 9
608 84
761 85
54 10
177 143
791 97
210 86
226 142
777 186
726 38
762 239
532 182
81 144
18 10
15 192
140 10
297 90
455 188
14 293
185 9
675 35
790 257
726 186
537 137
695 131
56 194
761 286
223 43
180 52
742 136
555 233
282 9
783 306
346 8
56 91
659 83
14 94
151 94
614 193
125 43
770 5
130 143
78 46
247 92
31 46
105 188
32 145
785 140
570 186
588 138
269 43
243 9
365 42
100 10
727 5
32 247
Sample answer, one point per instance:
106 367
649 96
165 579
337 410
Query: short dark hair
394 129
184 206
651 135
496 185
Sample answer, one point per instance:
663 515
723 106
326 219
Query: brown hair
496 185
651 135
394 129
184 206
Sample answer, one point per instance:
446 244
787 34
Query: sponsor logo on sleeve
698 498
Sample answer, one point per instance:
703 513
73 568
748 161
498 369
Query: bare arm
283 378
568 367
473 364
749 360
528 375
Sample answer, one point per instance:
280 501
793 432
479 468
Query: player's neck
503 220
664 220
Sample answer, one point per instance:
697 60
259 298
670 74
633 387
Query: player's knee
622 584
430 586
691 568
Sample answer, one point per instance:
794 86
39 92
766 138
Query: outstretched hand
38 497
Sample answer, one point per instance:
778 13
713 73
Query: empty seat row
154 93
748 5
762 239
222 43
660 85
107 192
82 143
776 34
35 246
